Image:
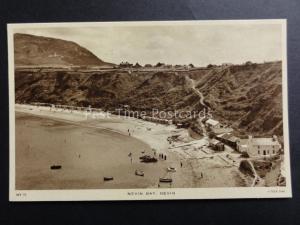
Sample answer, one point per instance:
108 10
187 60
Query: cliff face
249 96
44 51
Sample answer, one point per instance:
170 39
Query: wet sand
85 154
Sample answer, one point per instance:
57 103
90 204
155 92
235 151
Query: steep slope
248 97
43 51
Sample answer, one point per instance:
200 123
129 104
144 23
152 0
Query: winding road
193 86
257 181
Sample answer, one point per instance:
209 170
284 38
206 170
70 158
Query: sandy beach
90 148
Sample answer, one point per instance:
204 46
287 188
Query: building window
273 151
258 152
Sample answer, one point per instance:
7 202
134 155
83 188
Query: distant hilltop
31 50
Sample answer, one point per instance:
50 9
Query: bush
211 135
245 155
246 168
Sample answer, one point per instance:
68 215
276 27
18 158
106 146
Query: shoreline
118 124
195 163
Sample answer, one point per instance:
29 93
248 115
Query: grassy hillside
42 51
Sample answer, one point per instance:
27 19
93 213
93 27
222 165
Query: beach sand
85 154
89 149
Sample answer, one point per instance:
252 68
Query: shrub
245 155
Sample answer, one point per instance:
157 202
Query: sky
199 44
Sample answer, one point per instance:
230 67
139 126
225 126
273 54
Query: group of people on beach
162 156
129 134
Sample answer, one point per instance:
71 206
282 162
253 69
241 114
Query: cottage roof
259 141
214 141
228 136
212 122
225 136
204 119
264 141
243 141
233 139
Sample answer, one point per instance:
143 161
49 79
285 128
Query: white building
213 123
259 146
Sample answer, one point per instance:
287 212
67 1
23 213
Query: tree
137 65
211 135
245 155
159 64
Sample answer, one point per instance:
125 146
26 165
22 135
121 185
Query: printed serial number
276 191
21 194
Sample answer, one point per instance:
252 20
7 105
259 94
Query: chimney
250 137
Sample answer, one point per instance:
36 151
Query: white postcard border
146 194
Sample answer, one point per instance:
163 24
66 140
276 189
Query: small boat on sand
165 180
139 173
55 167
107 178
171 169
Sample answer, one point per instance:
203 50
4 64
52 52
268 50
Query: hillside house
213 124
228 139
259 146
227 64
137 65
168 66
216 145
222 130
125 65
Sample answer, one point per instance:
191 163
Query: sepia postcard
148 110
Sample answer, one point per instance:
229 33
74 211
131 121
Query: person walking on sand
201 175
180 164
130 155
